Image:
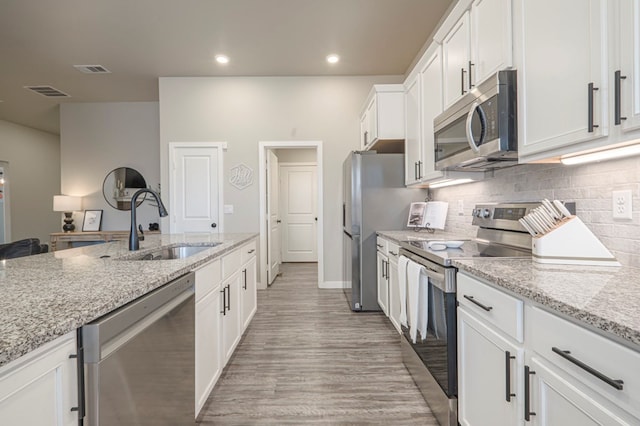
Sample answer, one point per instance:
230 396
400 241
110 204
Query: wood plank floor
306 358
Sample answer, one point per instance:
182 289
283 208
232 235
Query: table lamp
67 204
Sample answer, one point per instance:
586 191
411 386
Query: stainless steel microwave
480 132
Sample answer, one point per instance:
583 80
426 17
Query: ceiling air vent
48 91
92 69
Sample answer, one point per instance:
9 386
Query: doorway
290 206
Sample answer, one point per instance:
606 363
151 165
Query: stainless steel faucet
134 242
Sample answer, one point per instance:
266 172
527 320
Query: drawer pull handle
392 253
379 245
527 394
616 383
507 365
483 306
251 251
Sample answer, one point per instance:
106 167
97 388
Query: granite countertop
604 297
409 234
45 296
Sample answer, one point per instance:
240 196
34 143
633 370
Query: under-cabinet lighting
449 182
609 154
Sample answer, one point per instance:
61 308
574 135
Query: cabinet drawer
248 251
505 312
393 251
381 245
598 356
207 278
231 263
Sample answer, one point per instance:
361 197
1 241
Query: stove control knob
474 213
486 213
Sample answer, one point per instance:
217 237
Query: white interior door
195 193
299 213
274 257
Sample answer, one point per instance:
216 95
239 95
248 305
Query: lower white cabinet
208 359
231 318
489 369
394 287
249 295
383 282
41 387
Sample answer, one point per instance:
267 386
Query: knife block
571 243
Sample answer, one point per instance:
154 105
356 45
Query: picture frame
92 220
417 215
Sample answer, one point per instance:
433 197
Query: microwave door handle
470 140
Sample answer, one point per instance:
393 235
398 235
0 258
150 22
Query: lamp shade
66 203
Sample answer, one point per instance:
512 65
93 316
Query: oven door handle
469 130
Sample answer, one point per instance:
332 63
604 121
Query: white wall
245 110
96 138
589 185
34 178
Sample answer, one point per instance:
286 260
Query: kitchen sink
180 251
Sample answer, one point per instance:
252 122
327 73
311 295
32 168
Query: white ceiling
141 40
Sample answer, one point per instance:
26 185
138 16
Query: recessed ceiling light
222 59
333 58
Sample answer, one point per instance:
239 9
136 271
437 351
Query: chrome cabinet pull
590 125
224 301
474 301
462 72
527 393
507 365
616 383
251 251
244 274
617 96
228 297
471 85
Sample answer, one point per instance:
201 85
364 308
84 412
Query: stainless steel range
432 358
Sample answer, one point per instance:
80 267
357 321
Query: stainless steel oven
479 132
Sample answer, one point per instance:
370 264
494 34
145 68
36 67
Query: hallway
306 358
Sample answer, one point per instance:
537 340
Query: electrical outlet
460 207
622 208
228 209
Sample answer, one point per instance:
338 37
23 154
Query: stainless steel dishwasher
140 360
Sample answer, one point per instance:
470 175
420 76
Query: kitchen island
46 296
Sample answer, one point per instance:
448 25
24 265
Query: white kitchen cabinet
394 287
382 117
383 282
456 58
208 329
249 295
491 38
627 22
562 75
41 387
555 400
231 321
413 148
489 379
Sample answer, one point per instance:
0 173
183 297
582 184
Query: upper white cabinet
626 70
562 74
478 45
423 102
383 115
456 61
491 38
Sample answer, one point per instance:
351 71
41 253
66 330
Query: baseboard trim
331 284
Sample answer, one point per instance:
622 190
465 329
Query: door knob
278 221
213 225
316 219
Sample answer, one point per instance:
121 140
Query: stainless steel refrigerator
374 199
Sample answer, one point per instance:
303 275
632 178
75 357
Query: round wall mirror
120 185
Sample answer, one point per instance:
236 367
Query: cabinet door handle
244 274
415 171
527 394
366 136
471 85
616 383
378 245
419 170
462 72
224 301
386 269
590 125
228 297
507 365
251 251
617 96
79 357
474 301
382 262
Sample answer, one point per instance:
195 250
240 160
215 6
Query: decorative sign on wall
241 176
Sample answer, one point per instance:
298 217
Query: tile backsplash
589 185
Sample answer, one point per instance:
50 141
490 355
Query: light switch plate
622 208
228 208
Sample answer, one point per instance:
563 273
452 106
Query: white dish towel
423 309
402 283
414 272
